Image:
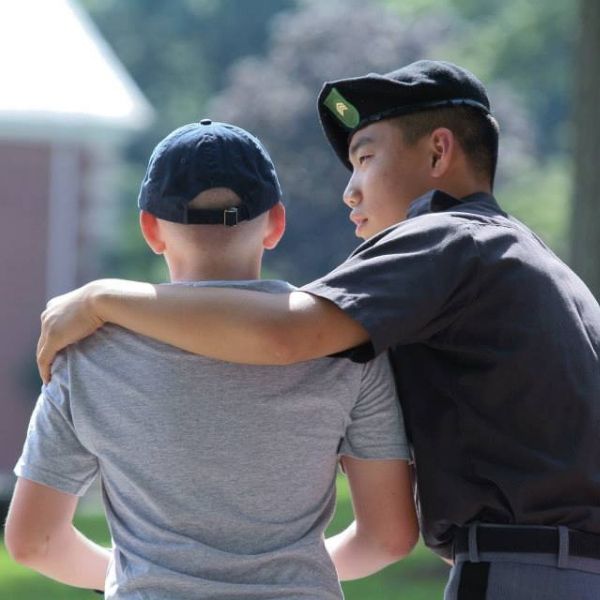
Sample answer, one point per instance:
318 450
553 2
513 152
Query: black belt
528 539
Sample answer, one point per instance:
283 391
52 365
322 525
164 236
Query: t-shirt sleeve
406 285
52 454
376 428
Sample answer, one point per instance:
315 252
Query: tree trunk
585 224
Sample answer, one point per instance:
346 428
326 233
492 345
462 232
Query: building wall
57 213
24 185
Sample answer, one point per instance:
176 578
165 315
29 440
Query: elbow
23 545
22 550
405 545
398 545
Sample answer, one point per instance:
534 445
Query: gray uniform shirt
218 478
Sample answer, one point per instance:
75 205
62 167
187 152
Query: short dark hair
476 132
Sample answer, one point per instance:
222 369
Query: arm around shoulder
235 325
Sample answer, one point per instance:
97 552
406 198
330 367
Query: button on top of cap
205 122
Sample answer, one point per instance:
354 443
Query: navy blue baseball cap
205 155
347 105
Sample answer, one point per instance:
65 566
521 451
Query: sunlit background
88 87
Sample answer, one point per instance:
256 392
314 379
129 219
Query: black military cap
347 105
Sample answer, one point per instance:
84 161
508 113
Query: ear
151 231
443 147
275 227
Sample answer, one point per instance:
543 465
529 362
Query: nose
351 194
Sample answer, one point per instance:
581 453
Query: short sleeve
376 429
406 284
52 454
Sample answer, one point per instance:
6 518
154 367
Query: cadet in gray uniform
218 478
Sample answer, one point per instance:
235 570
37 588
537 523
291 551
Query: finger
40 346
47 373
41 340
40 365
44 363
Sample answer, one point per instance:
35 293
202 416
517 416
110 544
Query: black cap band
413 108
228 217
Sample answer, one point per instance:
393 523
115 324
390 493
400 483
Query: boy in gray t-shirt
218 478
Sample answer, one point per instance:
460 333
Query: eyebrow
362 141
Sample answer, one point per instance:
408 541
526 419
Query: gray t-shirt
218 478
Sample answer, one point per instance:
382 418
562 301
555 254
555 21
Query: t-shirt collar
438 201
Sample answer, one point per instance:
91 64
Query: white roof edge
144 113
76 82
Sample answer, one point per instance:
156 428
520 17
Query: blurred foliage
178 52
526 44
540 199
261 65
421 576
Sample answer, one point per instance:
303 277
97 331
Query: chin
366 236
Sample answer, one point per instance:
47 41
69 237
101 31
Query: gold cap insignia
341 108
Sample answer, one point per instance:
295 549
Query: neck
464 191
464 183
213 270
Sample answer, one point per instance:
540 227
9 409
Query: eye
363 158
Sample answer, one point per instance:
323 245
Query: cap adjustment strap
229 217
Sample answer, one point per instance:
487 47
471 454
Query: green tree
526 44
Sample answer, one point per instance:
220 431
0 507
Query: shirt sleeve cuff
400 452
350 304
50 479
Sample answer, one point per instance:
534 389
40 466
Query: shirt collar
438 201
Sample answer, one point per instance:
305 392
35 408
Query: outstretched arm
39 534
227 324
385 528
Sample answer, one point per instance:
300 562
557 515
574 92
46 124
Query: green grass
419 577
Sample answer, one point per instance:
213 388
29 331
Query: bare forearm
385 527
233 325
71 558
228 324
356 556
